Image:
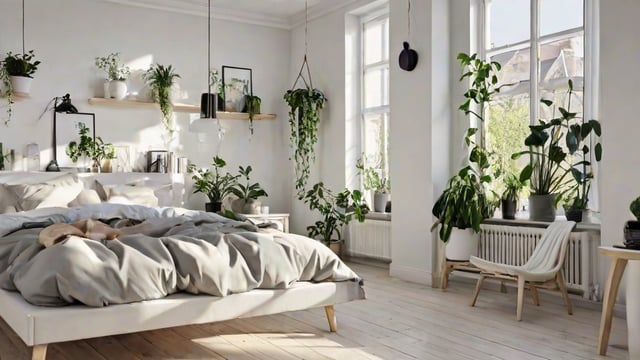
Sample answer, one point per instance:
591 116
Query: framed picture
236 82
66 127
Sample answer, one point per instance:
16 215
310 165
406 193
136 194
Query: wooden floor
398 320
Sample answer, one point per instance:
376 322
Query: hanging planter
160 79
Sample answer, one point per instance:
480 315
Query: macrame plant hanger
305 63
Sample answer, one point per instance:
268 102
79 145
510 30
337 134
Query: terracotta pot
336 247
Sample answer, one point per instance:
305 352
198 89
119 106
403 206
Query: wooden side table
620 257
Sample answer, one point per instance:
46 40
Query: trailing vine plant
304 115
160 79
8 93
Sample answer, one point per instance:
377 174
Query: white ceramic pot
251 206
107 91
118 89
462 244
380 201
21 84
633 308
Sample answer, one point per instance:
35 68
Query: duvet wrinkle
167 253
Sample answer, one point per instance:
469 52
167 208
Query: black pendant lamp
208 101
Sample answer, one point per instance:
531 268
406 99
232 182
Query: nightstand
282 220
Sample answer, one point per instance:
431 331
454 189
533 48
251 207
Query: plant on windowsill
304 115
213 184
632 227
465 202
551 169
372 180
160 79
336 210
509 199
247 193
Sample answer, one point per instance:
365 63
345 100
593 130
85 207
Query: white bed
39 326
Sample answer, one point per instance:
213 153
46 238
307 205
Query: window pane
515 70
373 42
373 88
560 15
507 22
385 87
376 141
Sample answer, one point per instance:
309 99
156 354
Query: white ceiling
284 14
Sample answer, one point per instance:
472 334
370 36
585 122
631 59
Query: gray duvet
198 253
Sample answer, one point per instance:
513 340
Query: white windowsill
522 219
372 215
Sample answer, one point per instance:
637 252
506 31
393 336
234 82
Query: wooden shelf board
186 108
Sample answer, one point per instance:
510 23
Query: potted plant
251 106
464 203
374 181
304 115
213 184
247 193
632 227
510 195
336 210
160 79
216 84
90 150
20 69
558 153
116 73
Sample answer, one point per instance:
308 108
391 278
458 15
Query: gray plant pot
542 208
251 206
380 201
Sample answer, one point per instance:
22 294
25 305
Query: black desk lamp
65 106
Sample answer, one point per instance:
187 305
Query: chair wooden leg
478 287
444 275
521 282
39 352
331 317
534 294
563 290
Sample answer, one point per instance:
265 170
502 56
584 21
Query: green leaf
596 127
546 102
598 151
525 174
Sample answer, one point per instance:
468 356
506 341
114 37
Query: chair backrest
550 252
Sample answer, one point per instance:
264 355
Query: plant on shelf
247 193
509 199
559 153
213 184
216 84
465 202
112 67
116 75
251 106
304 115
336 210
373 180
160 79
96 151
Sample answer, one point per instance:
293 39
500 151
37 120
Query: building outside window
557 38
375 92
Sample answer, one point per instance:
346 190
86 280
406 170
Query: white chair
542 270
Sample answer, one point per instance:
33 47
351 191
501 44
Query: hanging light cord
306 31
23 47
209 57
408 19
305 63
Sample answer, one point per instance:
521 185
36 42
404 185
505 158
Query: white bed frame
39 326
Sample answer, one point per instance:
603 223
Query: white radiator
514 245
371 238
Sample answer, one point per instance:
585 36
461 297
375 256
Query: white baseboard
411 274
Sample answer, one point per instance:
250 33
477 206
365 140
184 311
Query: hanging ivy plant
304 114
160 79
8 93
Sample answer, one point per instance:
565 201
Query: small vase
106 88
118 89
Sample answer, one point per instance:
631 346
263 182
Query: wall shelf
185 108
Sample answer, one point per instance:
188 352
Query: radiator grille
371 238
514 245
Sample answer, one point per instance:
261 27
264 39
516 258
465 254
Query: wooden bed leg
331 316
39 352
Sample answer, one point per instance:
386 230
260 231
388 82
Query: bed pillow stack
58 191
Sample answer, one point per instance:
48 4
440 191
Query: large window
515 31
375 92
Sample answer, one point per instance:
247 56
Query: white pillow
56 192
126 194
8 200
86 197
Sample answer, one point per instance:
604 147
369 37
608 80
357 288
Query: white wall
68 34
421 114
619 79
